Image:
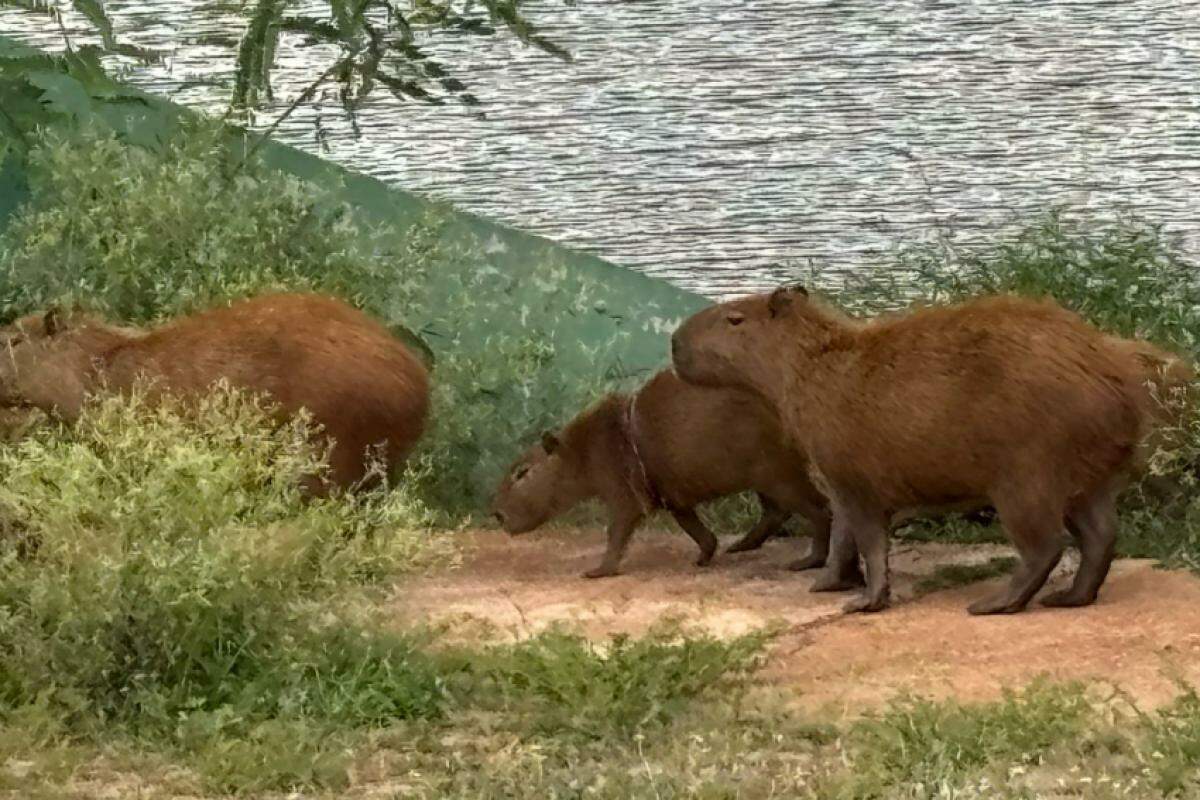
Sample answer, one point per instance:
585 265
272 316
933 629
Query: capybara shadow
364 388
1011 402
670 445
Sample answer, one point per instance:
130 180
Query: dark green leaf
62 93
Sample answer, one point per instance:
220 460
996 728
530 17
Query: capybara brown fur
1009 401
363 386
670 445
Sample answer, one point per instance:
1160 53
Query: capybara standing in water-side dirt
1014 402
362 385
669 445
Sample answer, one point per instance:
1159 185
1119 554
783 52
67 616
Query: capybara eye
520 473
735 318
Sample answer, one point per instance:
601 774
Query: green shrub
159 572
147 234
563 684
1125 276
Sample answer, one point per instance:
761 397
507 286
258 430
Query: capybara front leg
1094 523
1037 535
620 528
842 571
769 524
699 532
870 535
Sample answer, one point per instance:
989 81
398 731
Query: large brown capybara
670 445
1013 402
365 388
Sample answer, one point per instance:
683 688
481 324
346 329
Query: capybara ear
781 298
779 301
549 442
52 320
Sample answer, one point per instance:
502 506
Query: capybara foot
743 545
996 604
1067 598
810 561
867 603
830 581
705 559
602 571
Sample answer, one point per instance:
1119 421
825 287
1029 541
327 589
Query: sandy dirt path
1142 635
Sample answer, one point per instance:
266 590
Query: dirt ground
1142 635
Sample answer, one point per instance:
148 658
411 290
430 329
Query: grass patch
919 743
564 685
952 576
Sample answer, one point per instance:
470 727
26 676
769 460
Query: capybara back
1006 400
360 384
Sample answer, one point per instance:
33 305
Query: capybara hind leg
818 552
1094 523
770 523
842 572
347 464
699 532
313 487
620 528
1037 535
870 535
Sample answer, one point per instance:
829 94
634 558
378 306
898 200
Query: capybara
362 385
669 445
1003 400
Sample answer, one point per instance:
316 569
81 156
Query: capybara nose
674 347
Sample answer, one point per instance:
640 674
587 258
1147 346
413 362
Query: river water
717 143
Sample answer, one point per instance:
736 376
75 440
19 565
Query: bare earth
1142 635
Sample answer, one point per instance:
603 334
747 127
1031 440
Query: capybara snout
533 490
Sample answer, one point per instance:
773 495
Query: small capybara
364 387
670 445
1003 400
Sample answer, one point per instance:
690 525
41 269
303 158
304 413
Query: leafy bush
147 234
159 571
1126 276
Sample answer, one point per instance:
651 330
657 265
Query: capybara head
538 487
24 342
729 343
45 358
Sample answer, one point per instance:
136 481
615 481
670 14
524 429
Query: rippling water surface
708 142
